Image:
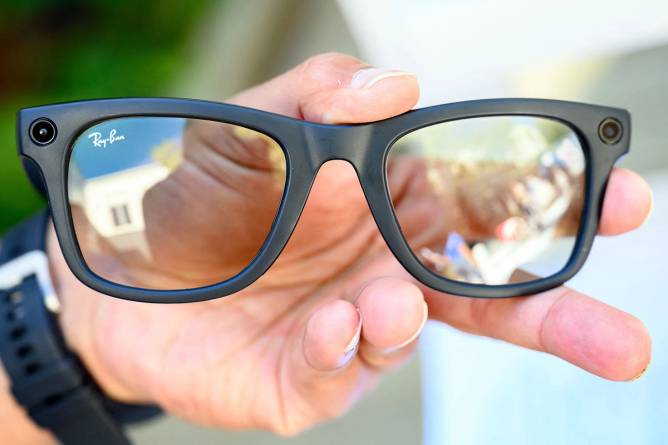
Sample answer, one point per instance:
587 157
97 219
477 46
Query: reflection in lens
172 203
491 200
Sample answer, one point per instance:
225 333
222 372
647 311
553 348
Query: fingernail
412 338
367 77
642 373
351 349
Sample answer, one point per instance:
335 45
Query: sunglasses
177 200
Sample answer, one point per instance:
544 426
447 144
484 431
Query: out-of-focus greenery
56 50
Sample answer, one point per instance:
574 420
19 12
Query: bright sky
140 136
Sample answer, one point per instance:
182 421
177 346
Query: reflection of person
478 217
510 215
336 310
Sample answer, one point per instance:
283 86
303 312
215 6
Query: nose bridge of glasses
332 142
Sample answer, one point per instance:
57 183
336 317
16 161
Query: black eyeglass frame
307 146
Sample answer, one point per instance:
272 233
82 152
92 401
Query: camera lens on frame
43 131
610 131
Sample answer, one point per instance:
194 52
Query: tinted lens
491 200
173 203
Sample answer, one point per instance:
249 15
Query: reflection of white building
113 203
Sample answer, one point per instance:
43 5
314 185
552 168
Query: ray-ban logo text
102 142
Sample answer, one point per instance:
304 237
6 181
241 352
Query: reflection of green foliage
56 50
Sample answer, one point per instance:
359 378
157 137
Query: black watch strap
46 377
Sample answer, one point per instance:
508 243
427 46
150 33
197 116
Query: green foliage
56 50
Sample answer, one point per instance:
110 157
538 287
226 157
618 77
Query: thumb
335 88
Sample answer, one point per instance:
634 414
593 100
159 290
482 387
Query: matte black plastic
307 146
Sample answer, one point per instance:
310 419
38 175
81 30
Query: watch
47 378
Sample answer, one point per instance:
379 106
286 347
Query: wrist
17 428
79 306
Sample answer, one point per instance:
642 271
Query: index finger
587 333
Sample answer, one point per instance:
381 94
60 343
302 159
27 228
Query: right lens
171 203
490 200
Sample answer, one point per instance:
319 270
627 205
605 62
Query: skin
335 312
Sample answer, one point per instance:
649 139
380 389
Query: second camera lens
43 131
610 131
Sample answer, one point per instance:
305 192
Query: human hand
336 310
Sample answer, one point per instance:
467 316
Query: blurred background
462 389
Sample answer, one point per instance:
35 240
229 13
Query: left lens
491 200
168 203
